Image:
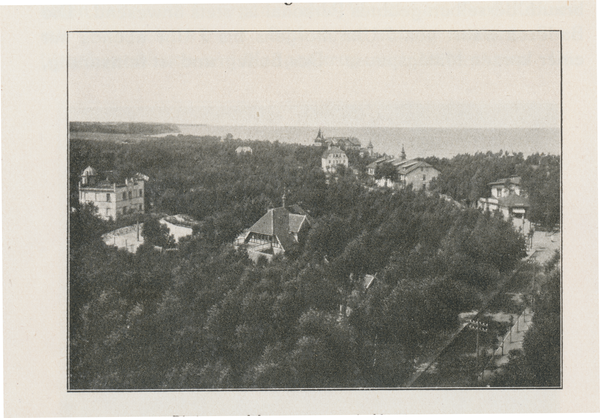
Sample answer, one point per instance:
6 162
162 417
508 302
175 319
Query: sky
353 79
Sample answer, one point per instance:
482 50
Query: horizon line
320 126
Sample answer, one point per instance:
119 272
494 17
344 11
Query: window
107 199
124 195
424 177
107 211
140 206
141 193
130 194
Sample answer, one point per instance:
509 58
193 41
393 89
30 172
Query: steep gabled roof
281 227
280 223
264 225
296 222
297 210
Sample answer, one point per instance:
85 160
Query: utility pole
533 288
375 354
477 351
478 326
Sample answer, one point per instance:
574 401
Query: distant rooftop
516 180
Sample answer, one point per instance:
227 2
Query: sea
417 142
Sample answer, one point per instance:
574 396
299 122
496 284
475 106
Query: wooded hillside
206 317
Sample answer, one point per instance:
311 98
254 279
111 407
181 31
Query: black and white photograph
314 209
300 209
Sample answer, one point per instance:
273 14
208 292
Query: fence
502 350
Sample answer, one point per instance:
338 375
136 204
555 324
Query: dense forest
465 177
205 316
539 363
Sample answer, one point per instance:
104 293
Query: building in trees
243 150
413 172
367 152
507 187
344 142
111 197
332 158
508 197
370 149
278 231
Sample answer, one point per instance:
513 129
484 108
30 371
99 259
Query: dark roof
297 210
377 162
513 200
296 222
403 166
408 166
516 180
105 183
279 222
344 140
281 227
99 185
108 179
